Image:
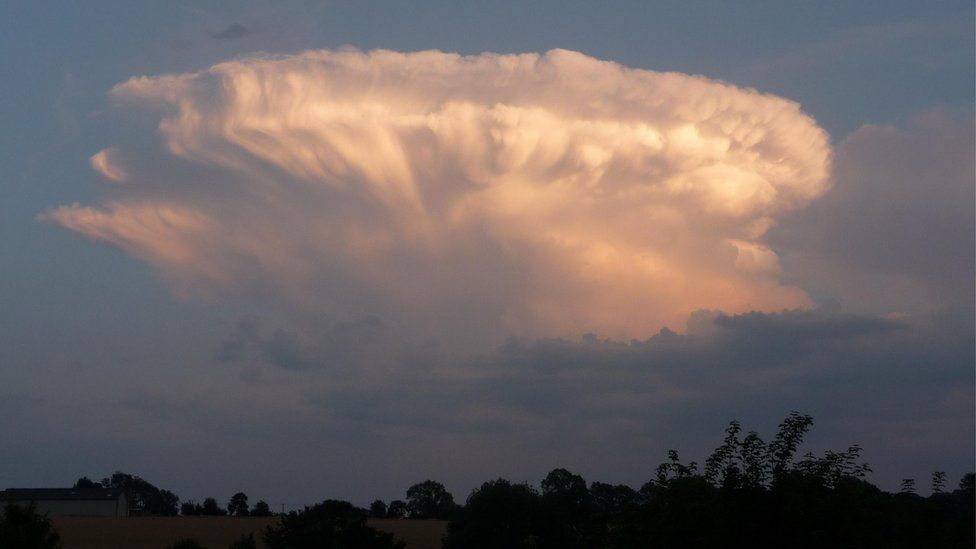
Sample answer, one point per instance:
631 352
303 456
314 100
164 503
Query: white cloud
548 194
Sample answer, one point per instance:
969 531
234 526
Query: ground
212 532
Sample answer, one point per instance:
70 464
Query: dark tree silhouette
85 483
377 509
22 527
237 506
608 500
146 498
211 508
750 494
429 499
938 482
330 524
501 514
261 509
191 509
787 440
565 494
397 509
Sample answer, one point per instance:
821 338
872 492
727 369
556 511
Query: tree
787 440
722 467
332 523
908 486
429 499
397 509
377 509
938 482
502 514
261 509
210 508
566 494
24 528
608 500
191 509
147 499
85 483
674 469
237 506
566 487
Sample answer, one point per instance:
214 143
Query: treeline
747 493
147 499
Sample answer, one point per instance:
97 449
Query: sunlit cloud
549 194
102 163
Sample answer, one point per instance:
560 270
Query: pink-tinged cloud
547 194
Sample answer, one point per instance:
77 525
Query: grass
212 532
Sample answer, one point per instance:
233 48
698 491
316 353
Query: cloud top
547 194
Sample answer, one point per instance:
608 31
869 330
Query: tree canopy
24 528
330 524
429 499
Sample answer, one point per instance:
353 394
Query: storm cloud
462 197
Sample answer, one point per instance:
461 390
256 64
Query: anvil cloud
549 194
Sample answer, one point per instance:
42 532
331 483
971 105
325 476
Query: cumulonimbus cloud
547 194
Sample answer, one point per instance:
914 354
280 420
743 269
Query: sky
331 249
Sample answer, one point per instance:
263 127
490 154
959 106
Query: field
212 532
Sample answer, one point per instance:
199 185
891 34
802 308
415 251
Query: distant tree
191 509
261 509
377 509
722 467
833 467
500 514
754 459
608 500
237 506
566 494
429 499
566 488
22 527
211 508
908 486
330 524
147 499
783 447
938 482
967 485
85 483
674 469
397 509
244 542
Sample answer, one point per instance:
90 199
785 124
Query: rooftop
47 494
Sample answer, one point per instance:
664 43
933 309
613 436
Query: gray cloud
896 231
884 382
233 31
339 344
358 398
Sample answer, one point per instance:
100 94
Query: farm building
70 502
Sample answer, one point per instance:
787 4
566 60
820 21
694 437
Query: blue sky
90 332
